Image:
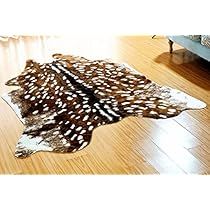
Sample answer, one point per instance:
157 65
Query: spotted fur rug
60 103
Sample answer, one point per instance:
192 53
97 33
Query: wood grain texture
135 145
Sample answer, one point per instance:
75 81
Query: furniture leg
170 46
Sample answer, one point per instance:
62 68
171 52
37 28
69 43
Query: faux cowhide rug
60 103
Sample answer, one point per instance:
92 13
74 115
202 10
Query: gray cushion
205 40
194 37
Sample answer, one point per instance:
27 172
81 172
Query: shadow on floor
187 65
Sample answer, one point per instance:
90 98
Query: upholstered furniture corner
197 44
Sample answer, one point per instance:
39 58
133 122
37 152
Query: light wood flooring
180 145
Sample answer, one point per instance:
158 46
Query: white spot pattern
66 99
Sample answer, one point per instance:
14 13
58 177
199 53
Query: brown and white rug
60 103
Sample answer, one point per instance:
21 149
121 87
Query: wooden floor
180 145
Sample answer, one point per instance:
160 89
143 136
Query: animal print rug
60 103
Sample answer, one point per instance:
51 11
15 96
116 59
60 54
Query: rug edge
13 106
201 105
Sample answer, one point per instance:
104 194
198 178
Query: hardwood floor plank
201 154
199 130
181 156
145 146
